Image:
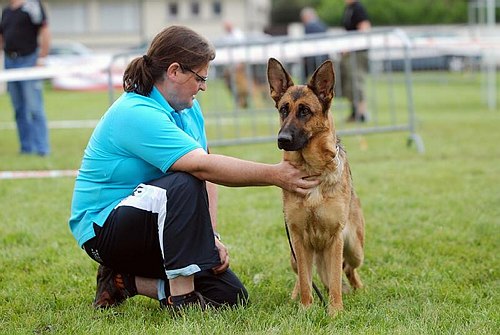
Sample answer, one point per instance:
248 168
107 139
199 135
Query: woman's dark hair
173 44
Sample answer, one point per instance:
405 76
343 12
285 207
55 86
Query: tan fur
327 226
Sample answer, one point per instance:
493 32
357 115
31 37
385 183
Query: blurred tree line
381 12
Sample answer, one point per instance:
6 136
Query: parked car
69 49
81 68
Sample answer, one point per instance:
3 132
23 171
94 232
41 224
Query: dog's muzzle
289 141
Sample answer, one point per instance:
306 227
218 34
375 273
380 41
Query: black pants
163 230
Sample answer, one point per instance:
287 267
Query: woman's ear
173 71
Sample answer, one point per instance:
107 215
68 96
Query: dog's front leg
304 270
333 269
293 262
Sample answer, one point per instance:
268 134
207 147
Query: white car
81 68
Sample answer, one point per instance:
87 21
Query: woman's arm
230 171
223 251
212 203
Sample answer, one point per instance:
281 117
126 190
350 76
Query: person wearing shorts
145 198
354 64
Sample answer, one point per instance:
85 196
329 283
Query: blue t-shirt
136 141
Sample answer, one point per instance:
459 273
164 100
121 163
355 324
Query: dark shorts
163 230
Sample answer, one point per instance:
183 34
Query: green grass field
432 233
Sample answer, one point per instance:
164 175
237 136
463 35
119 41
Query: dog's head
303 109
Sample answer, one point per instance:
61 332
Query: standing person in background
354 65
25 39
235 75
312 25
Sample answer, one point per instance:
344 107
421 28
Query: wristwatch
217 235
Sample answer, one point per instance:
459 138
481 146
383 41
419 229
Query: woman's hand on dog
295 180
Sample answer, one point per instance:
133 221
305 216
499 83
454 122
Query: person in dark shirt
312 25
354 65
23 25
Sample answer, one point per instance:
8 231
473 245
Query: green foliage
432 232
381 12
385 12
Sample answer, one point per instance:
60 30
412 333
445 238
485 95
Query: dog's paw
335 309
345 287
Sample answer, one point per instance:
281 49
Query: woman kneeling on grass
144 203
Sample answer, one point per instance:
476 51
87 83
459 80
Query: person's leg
168 217
188 239
23 121
216 290
347 84
224 288
185 233
308 68
33 93
33 99
147 287
26 97
361 65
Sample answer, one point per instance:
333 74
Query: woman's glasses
199 78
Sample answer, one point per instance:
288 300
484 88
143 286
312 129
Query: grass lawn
432 233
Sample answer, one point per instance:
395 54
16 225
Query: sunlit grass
432 234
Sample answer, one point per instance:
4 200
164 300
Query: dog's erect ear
322 83
279 79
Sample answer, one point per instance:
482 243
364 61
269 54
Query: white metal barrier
240 69
237 106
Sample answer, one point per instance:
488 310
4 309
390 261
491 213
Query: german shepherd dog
327 226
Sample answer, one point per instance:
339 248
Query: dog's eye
303 111
283 111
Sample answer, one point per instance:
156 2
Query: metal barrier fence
238 109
